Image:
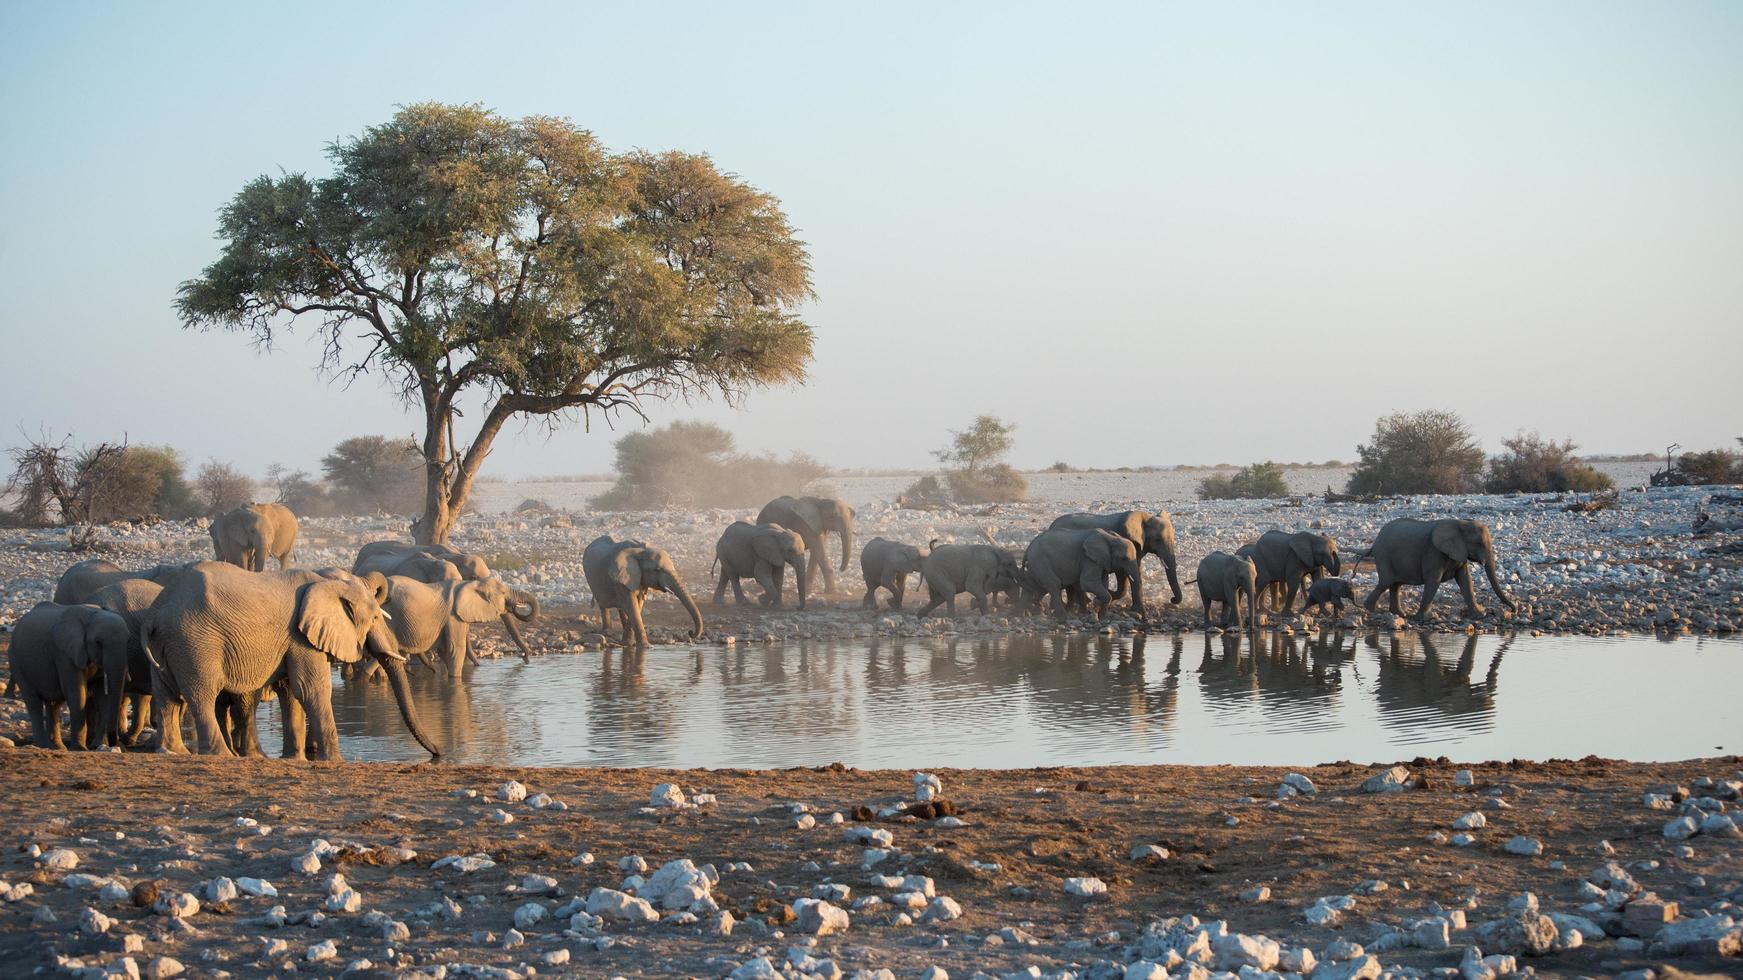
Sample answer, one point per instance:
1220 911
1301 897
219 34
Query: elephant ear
768 546
626 570
1451 541
324 619
471 605
1302 545
812 515
69 639
1097 550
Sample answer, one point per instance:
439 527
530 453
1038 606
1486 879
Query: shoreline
1023 833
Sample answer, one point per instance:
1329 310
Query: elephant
424 562
762 552
1329 590
129 599
886 565
815 518
1152 533
437 618
978 569
1224 578
82 580
1284 559
62 654
1064 561
1426 553
622 573
217 629
248 535
436 563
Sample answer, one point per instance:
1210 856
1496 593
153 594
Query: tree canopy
1422 452
457 252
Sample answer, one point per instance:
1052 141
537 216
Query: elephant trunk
1170 566
1137 577
517 599
846 545
671 584
393 664
1495 581
1252 610
799 563
1335 566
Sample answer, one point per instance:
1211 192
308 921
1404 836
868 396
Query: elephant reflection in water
886 663
1408 682
1272 666
788 693
473 730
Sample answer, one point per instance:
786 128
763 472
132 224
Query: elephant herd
1072 564
211 639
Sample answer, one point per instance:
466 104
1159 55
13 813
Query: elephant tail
1356 562
1190 581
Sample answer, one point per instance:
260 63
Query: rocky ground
1636 567
216 867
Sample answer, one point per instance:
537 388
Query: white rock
94 923
1471 821
927 787
1257 893
1146 970
162 968
306 864
582 860
465 864
876 836
529 915
611 904
177 905
1682 828
819 918
321 951
949 823
1085 887
344 901
1463 840
59 859
757 969
1524 846
1393 780
667 795
1464 777
555 957
499 816
919 883
1300 783
1238 950
805 821
1146 851
633 863
942 909
511 792
221 889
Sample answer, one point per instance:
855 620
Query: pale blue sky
1248 229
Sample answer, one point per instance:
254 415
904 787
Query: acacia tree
519 263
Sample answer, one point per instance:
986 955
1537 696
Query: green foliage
1711 466
996 483
518 262
375 475
1533 464
1421 452
1260 481
982 444
697 464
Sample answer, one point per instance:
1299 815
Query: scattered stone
511 792
612 904
818 918
1715 935
94 923
1682 828
1145 853
322 951
942 909
667 796
1471 821
1239 950
1300 784
1257 893
1085 887
465 864
1363 967
1525 931
1393 780
927 787
1524 846
180 905
58 859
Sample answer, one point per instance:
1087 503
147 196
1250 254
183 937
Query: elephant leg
1430 584
771 581
169 708
819 564
1093 585
244 740
310 685
871 594
1372 602
899 592
1396 610
1293 586
634 626
45 732
1464 578
77 724
719 593
1119 591
933 601
208 734
137 703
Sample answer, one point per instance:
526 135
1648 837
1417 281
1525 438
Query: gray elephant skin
82 580
1426 553
1332 591
217 629
130 599
887 564
435 563
1152 533
437 618
620 575
1283 559
60 654
814 518
977 569
1069 563
247 536
1232 581
761 552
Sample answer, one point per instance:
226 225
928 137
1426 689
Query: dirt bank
181 822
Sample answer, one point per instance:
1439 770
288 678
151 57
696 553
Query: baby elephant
1227 579
1330 590
762 552
61 654
887 565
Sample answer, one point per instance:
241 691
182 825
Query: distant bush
1060 467
300 492
375 475
996 483
697 464
1420 452
1712 466
56 483
222 488
1533 464
1259 481
975 469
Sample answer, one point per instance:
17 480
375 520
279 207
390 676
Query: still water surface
1034 700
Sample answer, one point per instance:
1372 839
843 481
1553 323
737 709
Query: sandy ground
176 822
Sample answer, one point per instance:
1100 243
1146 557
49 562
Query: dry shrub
1534 464
1260 481
696 464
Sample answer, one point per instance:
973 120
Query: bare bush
222 488
1420 452
696 464
1533 464
375 475
1711 466
56 483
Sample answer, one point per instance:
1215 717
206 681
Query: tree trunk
438 518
